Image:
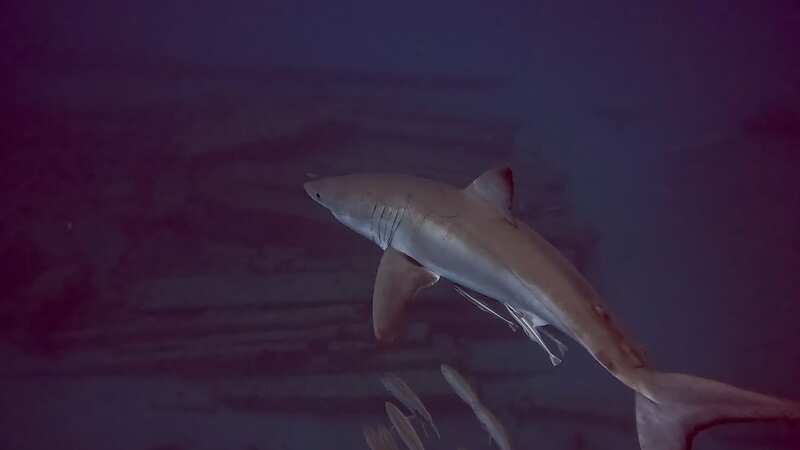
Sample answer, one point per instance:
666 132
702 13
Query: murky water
167 283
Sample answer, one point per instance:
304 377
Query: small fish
371 436
379 438
400 389
562 347
403 427
387 438
530 329
489 421
492 425
484 307
459 384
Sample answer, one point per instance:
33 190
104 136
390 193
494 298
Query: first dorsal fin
496 187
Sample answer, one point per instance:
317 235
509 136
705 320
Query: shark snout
313 191
309 188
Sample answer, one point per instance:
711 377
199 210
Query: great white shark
470 236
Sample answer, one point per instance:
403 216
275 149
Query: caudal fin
681 405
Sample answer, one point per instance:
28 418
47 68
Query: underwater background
167 284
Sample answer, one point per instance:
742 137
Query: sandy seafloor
167 284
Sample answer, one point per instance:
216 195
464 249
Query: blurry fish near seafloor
460 385
403 427
380 438
467 393
470 236
403 392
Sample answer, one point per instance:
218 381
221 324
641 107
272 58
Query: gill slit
398 218
380 226
372 219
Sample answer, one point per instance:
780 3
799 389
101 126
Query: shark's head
337 194
352 199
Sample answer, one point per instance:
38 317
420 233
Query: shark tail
672 408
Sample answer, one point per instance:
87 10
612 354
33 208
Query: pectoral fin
398 280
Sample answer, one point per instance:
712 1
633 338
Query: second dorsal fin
496 187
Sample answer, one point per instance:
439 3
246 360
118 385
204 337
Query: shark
430 230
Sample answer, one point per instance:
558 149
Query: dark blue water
167 284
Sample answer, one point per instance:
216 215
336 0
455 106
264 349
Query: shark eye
317 194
